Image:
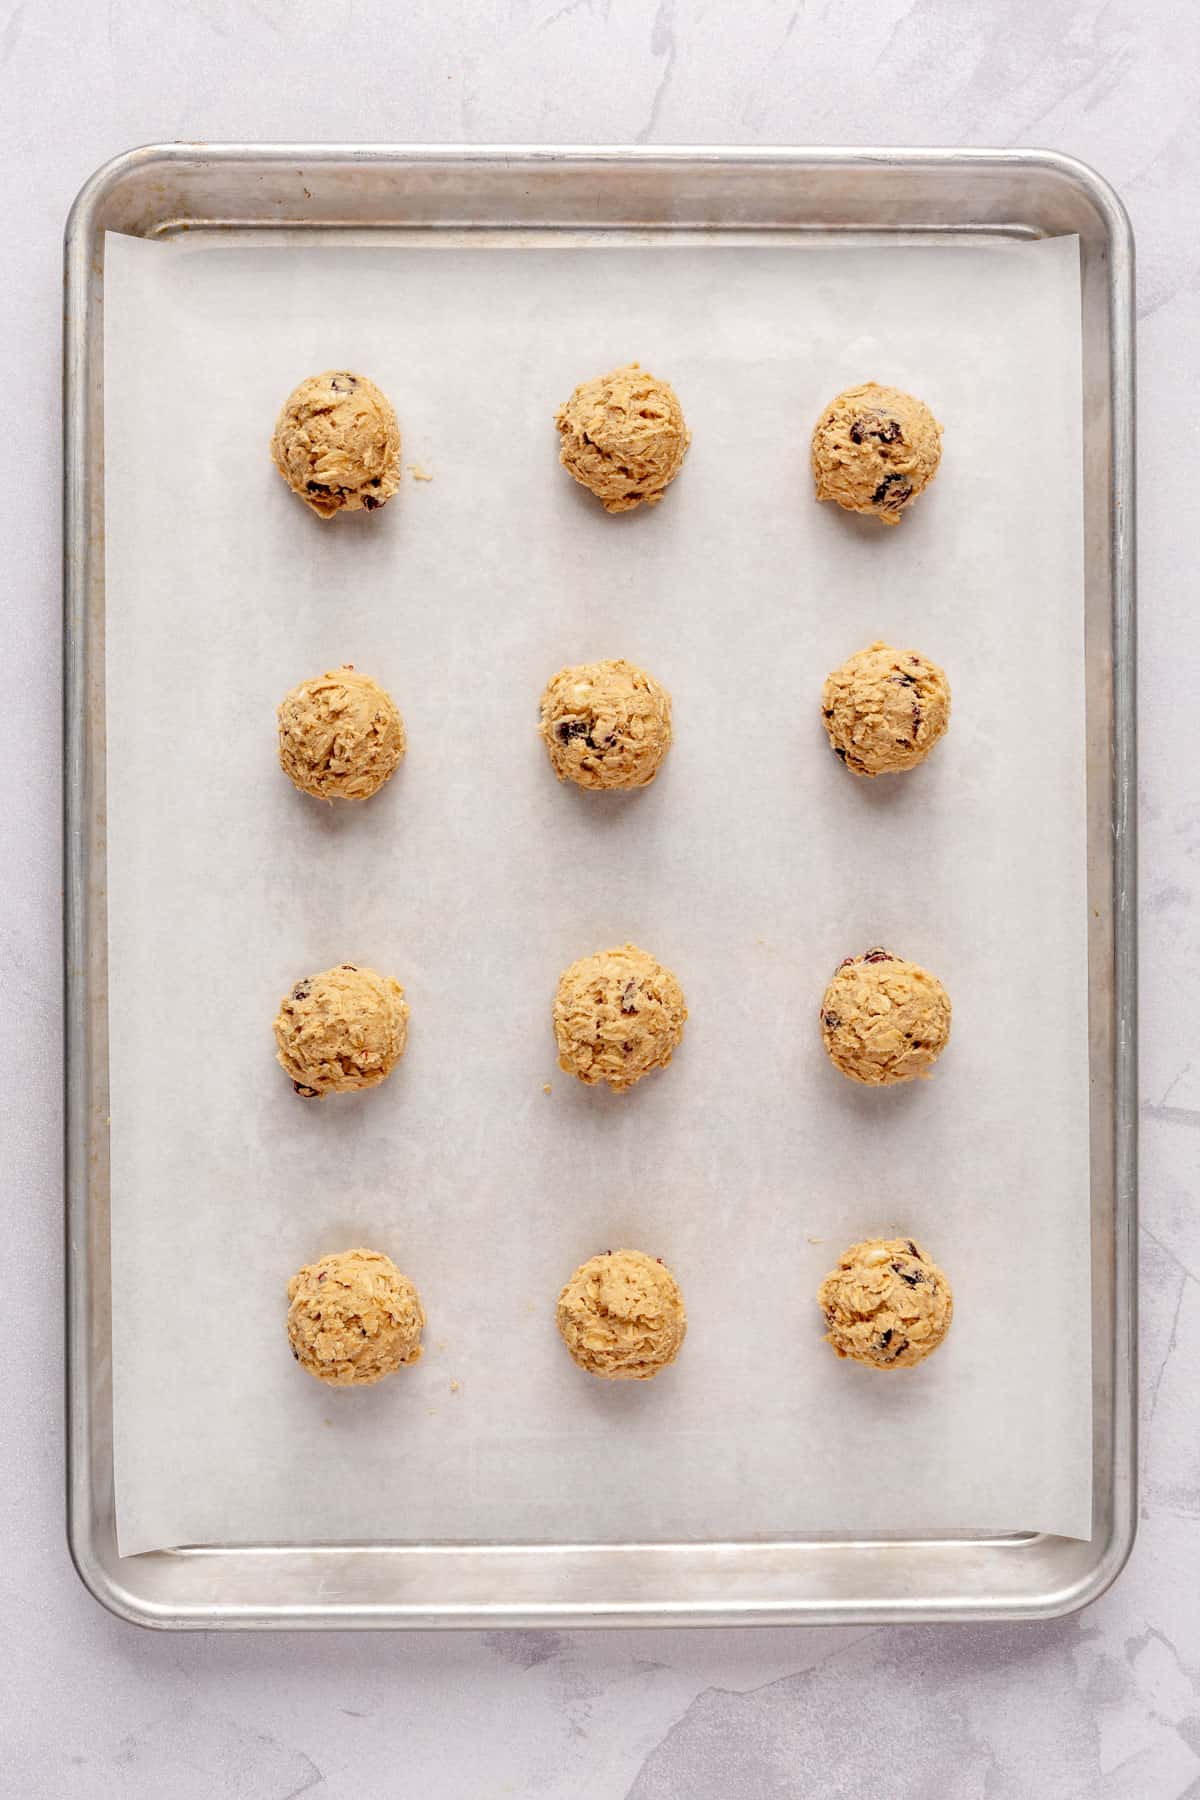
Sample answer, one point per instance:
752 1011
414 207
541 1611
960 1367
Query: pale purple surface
1104 1705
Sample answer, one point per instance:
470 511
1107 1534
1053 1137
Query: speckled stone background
1106 1704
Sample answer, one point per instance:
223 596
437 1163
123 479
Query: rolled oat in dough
353 1318
886 1304
874 449
606 725
340 736
337 444
885 709
623 437
341 1030
622 1317
617 1015
884 1020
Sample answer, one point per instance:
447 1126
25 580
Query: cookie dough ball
883 1019
874 450
623 436
340 737
886 1304
353 1317
341 1031
337 444
617 1015
885 709
606 725
622 1317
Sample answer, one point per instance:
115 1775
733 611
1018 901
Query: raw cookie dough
353 1317
340 737
883 1019
337 444
622 1316
341 1030
623 436
617 1015
606 725
886 1304
874 449
885 709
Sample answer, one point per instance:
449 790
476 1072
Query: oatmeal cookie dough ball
886 1304
617 1015
623 436
606 725
884 1020
337 444
621 1316
342 1030
885 709
874 450
353 1318
341 736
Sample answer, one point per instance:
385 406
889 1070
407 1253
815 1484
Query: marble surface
1106 1704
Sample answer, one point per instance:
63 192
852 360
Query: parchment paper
751 866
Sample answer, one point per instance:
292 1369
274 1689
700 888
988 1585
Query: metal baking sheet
725 207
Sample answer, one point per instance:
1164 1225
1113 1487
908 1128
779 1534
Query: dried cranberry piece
875 425
892 492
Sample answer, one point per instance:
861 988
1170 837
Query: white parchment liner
752 866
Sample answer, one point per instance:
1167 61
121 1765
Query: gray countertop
1106 1704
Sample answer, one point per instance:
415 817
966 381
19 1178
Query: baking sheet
752 866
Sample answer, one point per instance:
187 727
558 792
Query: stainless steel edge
1122 554
158 189
75 553
93 1559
